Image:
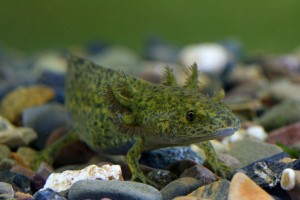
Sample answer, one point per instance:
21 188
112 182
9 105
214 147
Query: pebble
161 158
202 174
287 135
47 194
161 177
178 167
7 163
285 90
5 152
280 115
242 187
114 189
55 80
214 191
18 181
44 120
6 190
210 57
22 170
63 181
267 172
13 104
247 151
179 187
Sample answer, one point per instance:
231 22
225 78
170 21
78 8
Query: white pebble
210 57
63 181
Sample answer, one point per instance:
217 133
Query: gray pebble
200 173
179 187
47 194
6 190
97 189
4 151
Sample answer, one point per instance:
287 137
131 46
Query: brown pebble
242 187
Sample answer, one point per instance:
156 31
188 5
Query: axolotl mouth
220 133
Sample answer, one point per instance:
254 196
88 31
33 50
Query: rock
178 167
27 154
179 187
161 158
159 50
229 160
63 181
185 198
23 196
242 187
14 137
4 151
247 151
214 191
287 135
45 119
267 172
18 181
6 190
200 173
210 58
7 163
280 115
13 104
161 177
118 57
47 194
285 90
99 189
22 170
55 80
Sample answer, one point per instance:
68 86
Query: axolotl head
178 116
171 115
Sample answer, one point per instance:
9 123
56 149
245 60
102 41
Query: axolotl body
120 114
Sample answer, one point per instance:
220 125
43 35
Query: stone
287 135
6 190
19 182
4 151
247 151
22 170
23 196
113 189
285 113
242 187
161 177
202 174
47 194
45 119
161 158
185 198
267 172
7 163
14 137
178 167
56 80
179 187
284 89
63 181
214 191
210 57
27 154
13 104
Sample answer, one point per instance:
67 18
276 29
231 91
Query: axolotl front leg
220 168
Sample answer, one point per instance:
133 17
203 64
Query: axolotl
119 114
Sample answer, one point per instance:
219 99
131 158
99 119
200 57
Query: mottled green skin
120 114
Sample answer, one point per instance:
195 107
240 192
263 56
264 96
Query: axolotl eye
190 115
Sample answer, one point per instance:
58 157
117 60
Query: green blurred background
270 25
